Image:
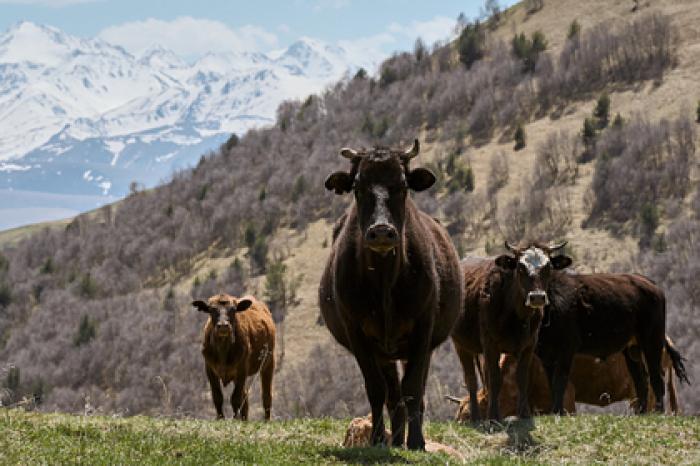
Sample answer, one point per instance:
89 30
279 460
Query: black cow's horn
412 152
453 399
555 247
511 248
349 153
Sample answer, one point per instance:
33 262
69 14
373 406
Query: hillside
627 201
586 439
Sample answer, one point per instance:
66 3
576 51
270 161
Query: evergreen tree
471 44
520 141
602 110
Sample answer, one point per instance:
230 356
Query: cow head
533 268
222 309
380 179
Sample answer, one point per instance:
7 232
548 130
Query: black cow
392 288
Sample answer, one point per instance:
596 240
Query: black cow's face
222 309
533 268
380 180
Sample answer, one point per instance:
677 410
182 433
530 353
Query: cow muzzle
537 299
382 238
223 330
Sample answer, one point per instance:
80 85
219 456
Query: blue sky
192 28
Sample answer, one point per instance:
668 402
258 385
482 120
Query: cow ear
420 179
340 182
507 262
201 306
561 262
243 304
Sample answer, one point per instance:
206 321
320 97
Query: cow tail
677 361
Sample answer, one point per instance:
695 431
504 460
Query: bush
280 290
697 113
87 287
528 50
574 30
519 138
86 331
588 137
471 44
602 110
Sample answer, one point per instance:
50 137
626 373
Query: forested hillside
96 316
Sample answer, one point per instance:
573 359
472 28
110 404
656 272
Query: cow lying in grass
239 342
592 381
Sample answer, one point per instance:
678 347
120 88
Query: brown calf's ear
243 304
560 262
506 262
340 182
201 306
420 179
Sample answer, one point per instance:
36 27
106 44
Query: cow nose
537 299
221 327
382 234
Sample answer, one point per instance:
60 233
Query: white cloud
189 37
370 49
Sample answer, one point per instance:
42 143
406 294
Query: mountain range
82 117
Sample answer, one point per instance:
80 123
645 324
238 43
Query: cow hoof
491 426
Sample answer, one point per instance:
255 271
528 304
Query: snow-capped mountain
82 116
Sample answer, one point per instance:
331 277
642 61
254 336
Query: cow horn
454 399
511 248
349 154
555 247
412 152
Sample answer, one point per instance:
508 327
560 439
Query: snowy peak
311 56
46 46
159 57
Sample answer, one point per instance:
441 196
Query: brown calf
592 381
239 342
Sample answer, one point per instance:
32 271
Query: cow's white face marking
534 259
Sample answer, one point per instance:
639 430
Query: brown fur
252 352
396 306
492 323
592 381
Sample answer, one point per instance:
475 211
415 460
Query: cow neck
518 300
382 272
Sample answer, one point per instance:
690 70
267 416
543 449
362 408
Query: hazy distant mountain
82 116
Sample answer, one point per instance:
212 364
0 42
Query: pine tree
602 110
520 141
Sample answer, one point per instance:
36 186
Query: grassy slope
57 438
15 235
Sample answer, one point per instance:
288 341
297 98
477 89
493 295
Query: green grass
34 438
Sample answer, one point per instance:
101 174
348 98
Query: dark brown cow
391 290
504 300
239 342
599 315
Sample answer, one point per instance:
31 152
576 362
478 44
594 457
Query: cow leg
523 379
413 387
468 361
266 385
375 386
560 378
652 354
239 399
493 381
635 366
216 395
396 407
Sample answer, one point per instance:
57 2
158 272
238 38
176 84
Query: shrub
697 113
86 331
574 30
87 287
519 138
602 110
471 44
528 50
588 137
